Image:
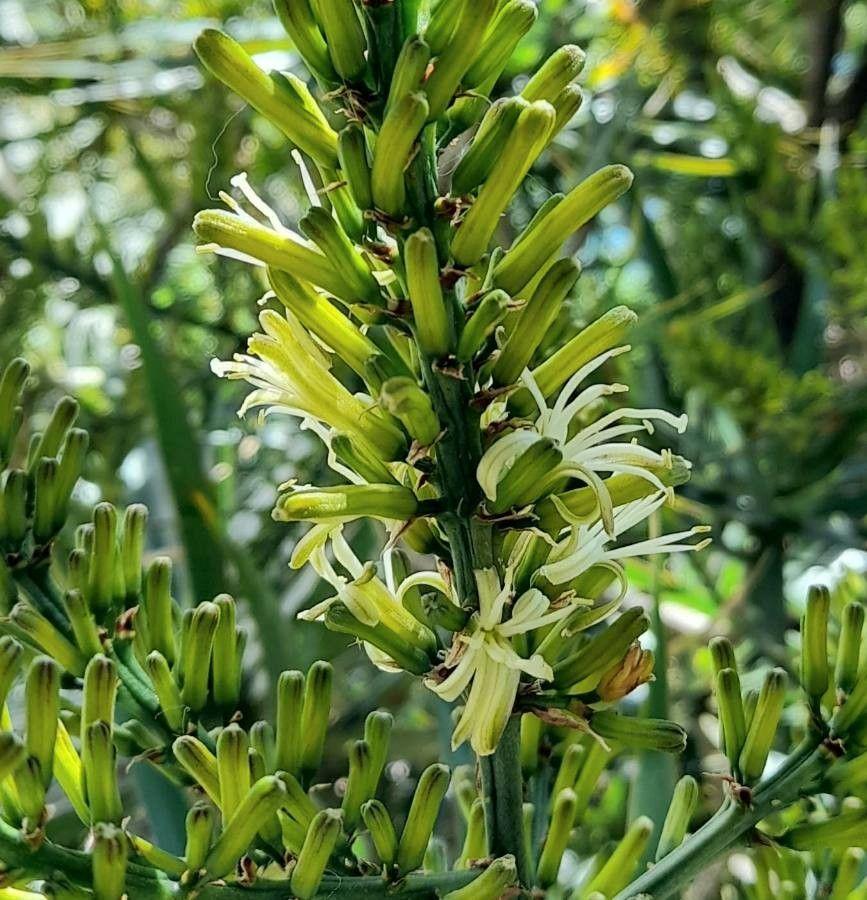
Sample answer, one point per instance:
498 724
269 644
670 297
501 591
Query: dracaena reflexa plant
512 482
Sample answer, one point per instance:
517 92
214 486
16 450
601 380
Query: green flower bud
26 623
603 334
332 240
378 823
167 690
679 815
298 804
453 60
407 402
109 860
44 497
11 386
103 572
567 773
393 152
566 104
731 714
82 622
849 646
409 70
377 733
260 803
442 23
524 479
132 546
849 829
346 501
420 821
29 803
317 849
848 874
475 844
283 252
13 520
290 706
100 774
478 161
595 760
42 707
12 754
361 459
233 767
618 869
157 604
525 142
490 312
282 99
814 644
559 830
492 884
297 18
851 713
561 67
354 164
433 326
201 824
722 654
11 657
512 22
197 659
226 664
531 735
199 763
62 418
640 734
344 37
315 717
581 204
263 741
763 726
71 465
357 784
413 659
602 650
99 692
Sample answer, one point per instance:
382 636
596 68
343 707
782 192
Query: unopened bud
11 386
490 312
99 692
62 418
559 831
852 712
639 734
492 884
478 161
570 766
722 654
36 630
433 327
109 856
378 823
408 403
475 844
12 754
409 70
561 67
394 147
426 801
100 773
731 714
132 545
377 733
512 22
315 717
618 869
103 572
849 646
83 625
848 874
442 23
318 846
13 483
201 823
226 664
763 727
678 817
167 690
566 104
44 497
197 659
814 643
519 480
354 164
289 735
233 767
42 706
158 607
346 501
11 658
531 734
199 763
837 833
344 37
357 784
297 18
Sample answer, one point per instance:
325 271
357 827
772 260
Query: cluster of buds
457 429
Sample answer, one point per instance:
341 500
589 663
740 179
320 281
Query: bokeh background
743 247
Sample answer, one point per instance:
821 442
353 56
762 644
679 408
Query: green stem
728 827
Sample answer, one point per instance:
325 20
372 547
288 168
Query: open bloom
586 450
483 659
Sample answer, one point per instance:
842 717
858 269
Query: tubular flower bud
102 582
377 733
263 741
233 767
344 37
157 603
523 474
99 692
849 647
62 418
815 676
226 664
298 805
315 716
475 844
199 763
490 312
290 709
453 60
131 548
100 773
722 654
640 734
433 326
393 152
156 856
297 18
492 884
36 630
355 165
531 733
423 812
512 22
282 99
850 714
409 71
11 657
42 706
558 837
478 161
12 754
14 520
525 142
70 468
345 502
848 874
201 823
378 823
259 804
359 457
43 504
731 714
357 784
11 386
566 104
618 869
197 655
678 817
167 690
635 669
332 240
849 829
412 407
442 23
318 846
535 320
561 67
581 204
763 726
110 852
